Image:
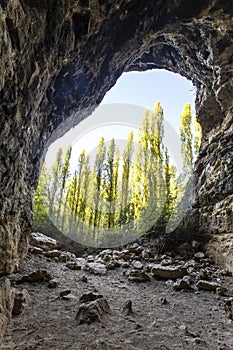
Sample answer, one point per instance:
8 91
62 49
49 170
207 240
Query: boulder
138 276
167 272
95 268
184 283
207 285
37 276
39 240
92 308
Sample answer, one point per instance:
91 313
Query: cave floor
190 319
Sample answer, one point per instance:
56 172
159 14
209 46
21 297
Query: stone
74 265
92 308
39 240
207 285
146 254
53 283
37 276
125 255
66 256
137 265
84 279
95 268
167 272
90 296
163 301
127 307
21 300
53 253
183 283
64 293
138 276
199 255
35 250
228 306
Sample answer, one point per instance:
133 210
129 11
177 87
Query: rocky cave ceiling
59 58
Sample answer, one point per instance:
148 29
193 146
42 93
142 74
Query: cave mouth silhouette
115 118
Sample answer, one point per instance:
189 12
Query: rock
69 297
37 276
92 308
138 276
132 248
167 272
64 292
207 285
106 252
74 265
127 307
229 308
21 300
125 255
95 268
221 291
39 240
204 275
122 263
53 283
199 255
146 255
53 253
84 279
90 296
166 262
164 301
35 250
183 283
137 265
90 258
66 256
6 305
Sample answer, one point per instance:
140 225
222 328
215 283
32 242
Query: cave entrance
97 215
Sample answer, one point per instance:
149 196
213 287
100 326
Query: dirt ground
190 320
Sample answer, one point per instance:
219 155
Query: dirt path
189 320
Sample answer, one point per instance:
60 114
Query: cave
58 60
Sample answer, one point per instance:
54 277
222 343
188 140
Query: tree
64 178
111 168
41 203
99 171
125 186
186 139
55 183
197 136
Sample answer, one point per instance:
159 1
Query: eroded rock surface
57 62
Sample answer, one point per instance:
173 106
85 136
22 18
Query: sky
122 108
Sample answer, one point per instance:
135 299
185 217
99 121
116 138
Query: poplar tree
64 178
55 183
99 171
125 177
186 139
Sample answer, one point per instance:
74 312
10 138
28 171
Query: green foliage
120 196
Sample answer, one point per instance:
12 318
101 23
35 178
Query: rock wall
6 305
59 58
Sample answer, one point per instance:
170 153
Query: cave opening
120 113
